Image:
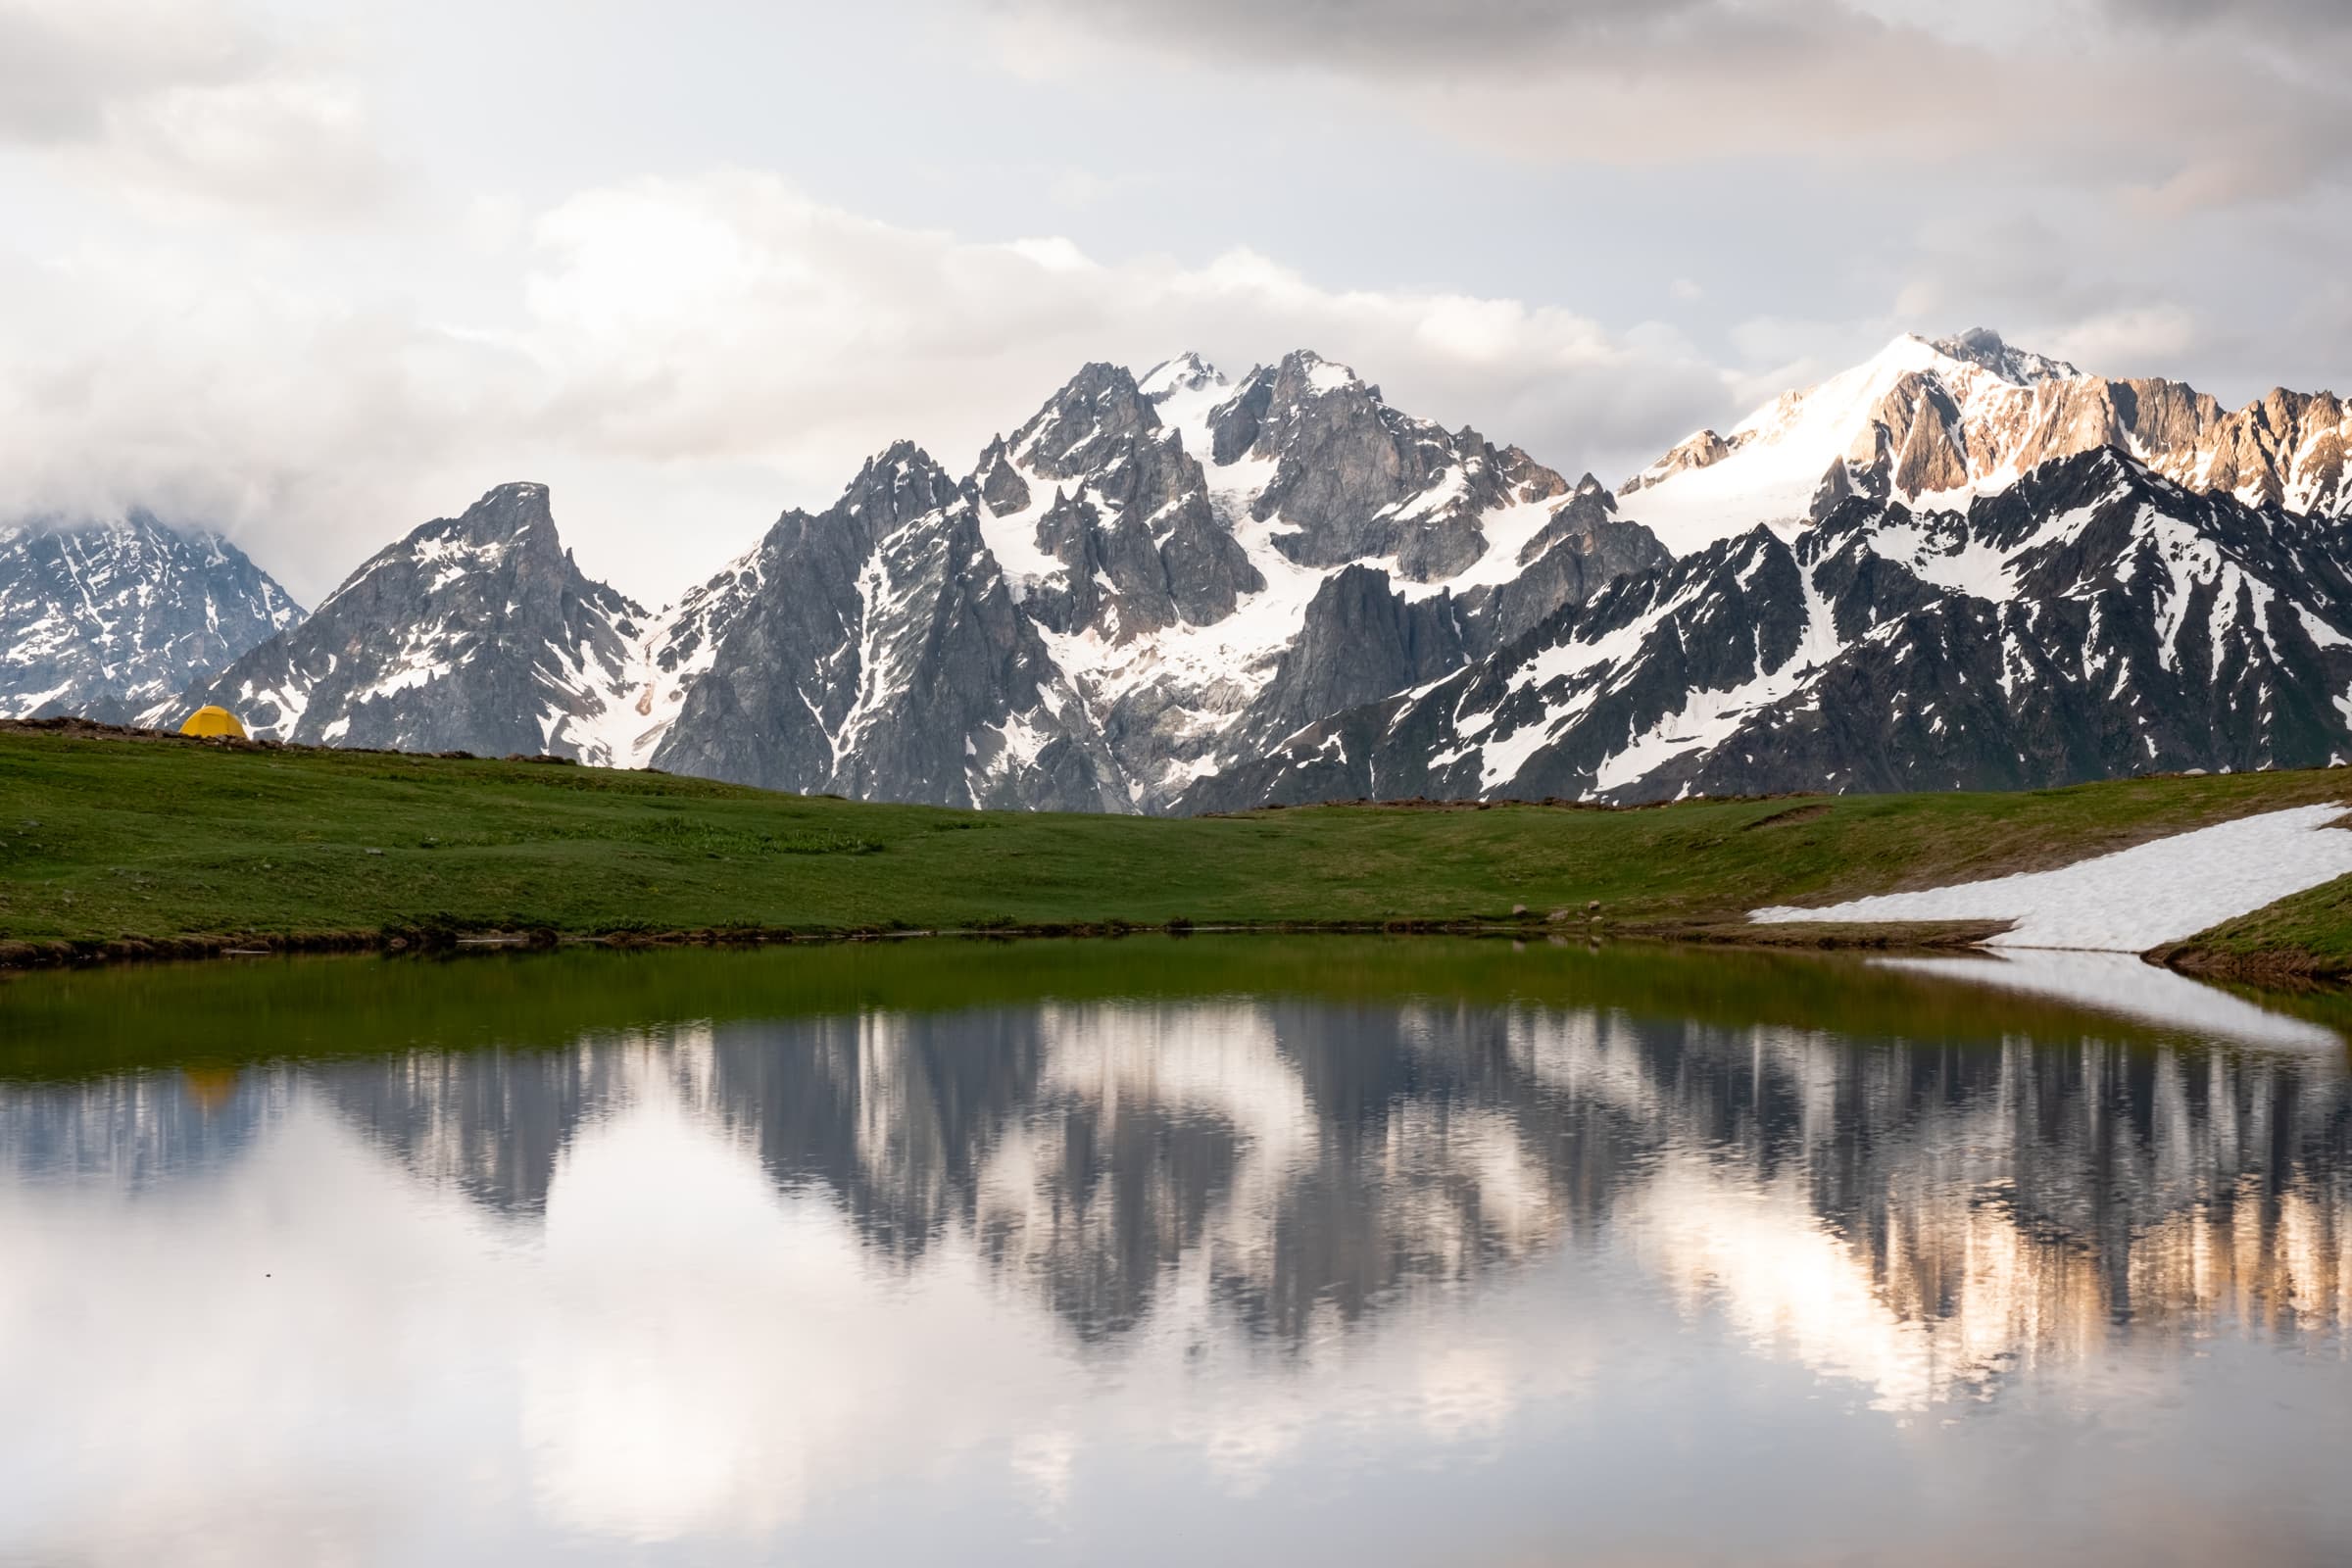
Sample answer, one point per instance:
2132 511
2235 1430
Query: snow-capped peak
1984 347
1959 362
1187 373
1922 418
1320 374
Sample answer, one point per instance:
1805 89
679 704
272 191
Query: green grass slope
106 839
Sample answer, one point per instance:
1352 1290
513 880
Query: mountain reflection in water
1016 1279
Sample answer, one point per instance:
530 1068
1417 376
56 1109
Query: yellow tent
213 721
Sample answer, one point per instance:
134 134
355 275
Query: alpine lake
1354 1250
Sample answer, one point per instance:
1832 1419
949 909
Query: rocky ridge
1939 422
2096 619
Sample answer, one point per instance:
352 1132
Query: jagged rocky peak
1099 515
895 486
998 482
884 654
1303 373
503 544
1700 450
1356 479
1581 517
2287 451
505 512
1921 417
1085 425
1267 398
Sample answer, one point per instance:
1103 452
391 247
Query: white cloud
733 315
2052 93
687 356
2133 341
184 104
65 64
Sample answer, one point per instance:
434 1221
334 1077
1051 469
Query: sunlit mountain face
1021 1280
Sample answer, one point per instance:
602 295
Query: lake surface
1332 1250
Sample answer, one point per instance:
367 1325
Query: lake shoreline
91 953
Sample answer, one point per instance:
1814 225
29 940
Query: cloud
2139 340
688 356
733 317
184 103
67 65
2051 94
2301 21
681 359
1386 34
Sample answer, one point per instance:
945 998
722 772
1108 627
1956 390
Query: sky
314 272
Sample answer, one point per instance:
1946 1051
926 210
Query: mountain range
1959 565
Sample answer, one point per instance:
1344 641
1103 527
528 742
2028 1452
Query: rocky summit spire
1095 416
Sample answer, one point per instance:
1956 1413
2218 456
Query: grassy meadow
108 842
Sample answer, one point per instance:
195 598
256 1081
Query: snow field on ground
2135 898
